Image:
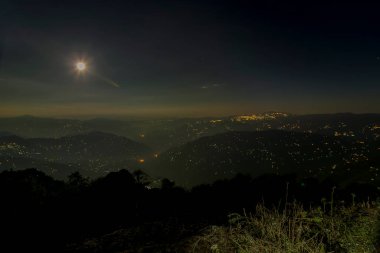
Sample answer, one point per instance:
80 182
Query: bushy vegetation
295 229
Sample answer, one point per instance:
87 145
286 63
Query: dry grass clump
295 229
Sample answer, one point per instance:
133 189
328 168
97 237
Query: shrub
294 229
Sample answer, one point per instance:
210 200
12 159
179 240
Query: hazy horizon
169 117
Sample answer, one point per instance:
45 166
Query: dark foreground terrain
122 213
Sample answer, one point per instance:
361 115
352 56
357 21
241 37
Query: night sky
188 58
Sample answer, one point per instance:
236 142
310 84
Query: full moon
80 66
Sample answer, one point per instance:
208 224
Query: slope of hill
222 156
94 153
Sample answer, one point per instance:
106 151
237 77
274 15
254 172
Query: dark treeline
40 213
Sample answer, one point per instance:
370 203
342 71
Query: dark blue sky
188 58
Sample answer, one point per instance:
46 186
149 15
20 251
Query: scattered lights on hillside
264 116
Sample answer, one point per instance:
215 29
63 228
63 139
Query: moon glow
80 66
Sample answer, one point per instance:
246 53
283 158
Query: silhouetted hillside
116 213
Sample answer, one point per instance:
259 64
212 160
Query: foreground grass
295 229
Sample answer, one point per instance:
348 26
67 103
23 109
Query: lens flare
82 69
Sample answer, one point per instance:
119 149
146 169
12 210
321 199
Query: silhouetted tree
141 177
167 184
76 180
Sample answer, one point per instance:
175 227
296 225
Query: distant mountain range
198 150
309 155
163 134
93 154
5 133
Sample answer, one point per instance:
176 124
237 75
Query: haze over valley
191 151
